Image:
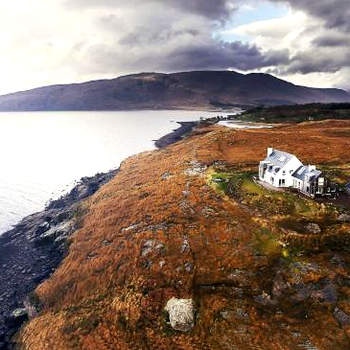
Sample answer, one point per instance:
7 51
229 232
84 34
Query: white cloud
63 41
319 56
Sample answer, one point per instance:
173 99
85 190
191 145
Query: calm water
42 154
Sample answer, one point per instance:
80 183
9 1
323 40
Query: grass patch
270 202
268 244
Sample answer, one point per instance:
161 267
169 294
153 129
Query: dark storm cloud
174 35
223 55
335 13
169 35
332 41
212 55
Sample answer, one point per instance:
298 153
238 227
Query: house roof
302 172
279 158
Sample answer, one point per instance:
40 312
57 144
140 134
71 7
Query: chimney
269 151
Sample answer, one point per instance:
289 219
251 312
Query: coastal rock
176 135
17 317
181 314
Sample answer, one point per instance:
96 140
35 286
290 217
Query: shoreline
176 135
187 127
33 248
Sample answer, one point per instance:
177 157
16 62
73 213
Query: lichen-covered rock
341 317
181 314
344 218
151 245
313 228
195 169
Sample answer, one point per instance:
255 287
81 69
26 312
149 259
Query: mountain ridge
183 90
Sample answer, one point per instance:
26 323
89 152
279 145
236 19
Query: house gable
278 167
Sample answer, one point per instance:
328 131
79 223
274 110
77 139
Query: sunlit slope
166 227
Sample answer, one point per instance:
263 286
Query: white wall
283 174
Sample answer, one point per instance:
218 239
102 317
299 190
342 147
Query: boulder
344 218
313 228
17 317
150 246
341 317
181 314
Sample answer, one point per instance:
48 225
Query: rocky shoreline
186 128
177 134
33 249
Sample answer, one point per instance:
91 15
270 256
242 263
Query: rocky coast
31 251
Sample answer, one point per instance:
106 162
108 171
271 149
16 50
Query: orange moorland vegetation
160 229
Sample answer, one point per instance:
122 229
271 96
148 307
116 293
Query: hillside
189 90
188 222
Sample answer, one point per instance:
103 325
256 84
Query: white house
282 169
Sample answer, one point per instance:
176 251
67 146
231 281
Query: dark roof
304 171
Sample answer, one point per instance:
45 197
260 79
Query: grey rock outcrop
344 218
313 228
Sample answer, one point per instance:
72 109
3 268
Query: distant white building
282 169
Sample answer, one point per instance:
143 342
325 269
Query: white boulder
181 314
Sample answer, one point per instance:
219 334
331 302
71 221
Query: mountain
199 89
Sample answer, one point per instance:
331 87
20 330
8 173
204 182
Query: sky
65 41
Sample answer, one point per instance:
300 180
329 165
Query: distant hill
199 89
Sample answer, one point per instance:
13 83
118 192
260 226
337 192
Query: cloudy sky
63 41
